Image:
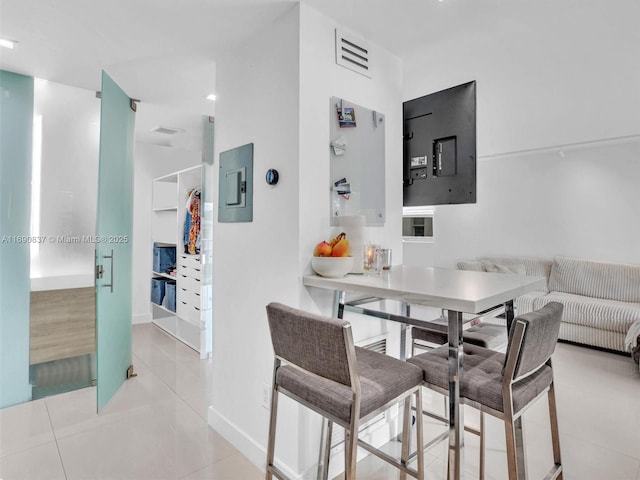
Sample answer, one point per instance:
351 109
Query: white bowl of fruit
332 259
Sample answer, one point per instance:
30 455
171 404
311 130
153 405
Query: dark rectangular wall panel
439 161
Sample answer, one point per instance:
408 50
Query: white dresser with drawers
188 299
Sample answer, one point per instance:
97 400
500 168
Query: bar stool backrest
317 344
532 341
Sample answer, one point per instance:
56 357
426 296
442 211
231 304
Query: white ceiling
159 51
163 52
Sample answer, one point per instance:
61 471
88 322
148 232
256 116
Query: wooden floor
63 324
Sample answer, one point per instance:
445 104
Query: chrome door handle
110 285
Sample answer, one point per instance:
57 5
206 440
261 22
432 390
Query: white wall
274 92
150 161
255 263
542 205
321 79
544 82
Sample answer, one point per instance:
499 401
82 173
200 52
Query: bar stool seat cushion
482 376
483 335
426 335
486 335
382 378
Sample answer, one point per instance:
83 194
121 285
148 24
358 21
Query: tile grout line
53 430
151 369
228 457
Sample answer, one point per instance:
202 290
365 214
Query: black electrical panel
440 147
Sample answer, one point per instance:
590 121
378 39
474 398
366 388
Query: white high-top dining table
458 292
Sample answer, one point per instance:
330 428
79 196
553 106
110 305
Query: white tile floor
156 427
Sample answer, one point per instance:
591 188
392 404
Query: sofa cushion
611 281
471 265
516 268
592 312
525 303
534 267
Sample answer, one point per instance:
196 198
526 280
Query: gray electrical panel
235 191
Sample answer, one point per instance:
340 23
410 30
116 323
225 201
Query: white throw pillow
517 268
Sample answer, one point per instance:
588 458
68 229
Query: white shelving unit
170 194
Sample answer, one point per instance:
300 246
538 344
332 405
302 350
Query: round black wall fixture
272 176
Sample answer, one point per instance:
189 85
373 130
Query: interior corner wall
544 83
150 161
254 263
320 79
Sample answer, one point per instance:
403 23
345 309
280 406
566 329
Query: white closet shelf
165 209
163 308
164 275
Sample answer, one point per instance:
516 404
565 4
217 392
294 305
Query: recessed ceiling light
167 130
211 97
7 43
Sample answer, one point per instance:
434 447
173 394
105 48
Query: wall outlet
266 395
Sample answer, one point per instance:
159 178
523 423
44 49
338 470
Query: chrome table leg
456 413
325 437
405 311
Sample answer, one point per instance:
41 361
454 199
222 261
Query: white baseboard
256 453
140 318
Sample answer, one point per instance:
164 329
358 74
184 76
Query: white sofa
601 299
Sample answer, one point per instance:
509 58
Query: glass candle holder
371 261
385 258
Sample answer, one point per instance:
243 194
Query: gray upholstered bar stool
481 334
504 386
317 364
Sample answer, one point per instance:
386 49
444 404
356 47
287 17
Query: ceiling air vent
167 130
352 53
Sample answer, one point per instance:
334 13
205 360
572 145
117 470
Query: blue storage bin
158 290
164 257
170 296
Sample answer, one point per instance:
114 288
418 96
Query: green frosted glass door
16 124
113 240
